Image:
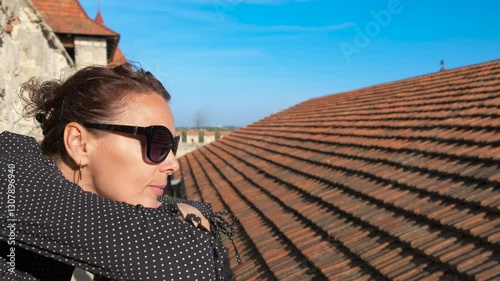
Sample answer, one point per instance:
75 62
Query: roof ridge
92 20
414 78
69 17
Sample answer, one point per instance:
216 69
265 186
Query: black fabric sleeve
56 218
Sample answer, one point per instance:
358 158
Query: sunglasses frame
142 131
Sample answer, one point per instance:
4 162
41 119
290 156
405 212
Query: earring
80 166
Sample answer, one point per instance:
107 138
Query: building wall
193 137
29 48
192 141
20 26
90 51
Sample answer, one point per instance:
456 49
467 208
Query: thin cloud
190 14
272 2
211 53
230 53
294 28
168 10
234 3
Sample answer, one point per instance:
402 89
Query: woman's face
118 166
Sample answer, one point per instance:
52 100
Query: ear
78 142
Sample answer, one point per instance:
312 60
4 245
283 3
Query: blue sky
234 62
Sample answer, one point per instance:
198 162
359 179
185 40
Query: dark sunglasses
159 139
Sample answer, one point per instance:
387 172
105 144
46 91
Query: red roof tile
398 181
118 57
69 17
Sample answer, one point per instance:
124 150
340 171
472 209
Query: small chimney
443 68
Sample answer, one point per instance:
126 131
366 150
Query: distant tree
201 136
217 134
184 136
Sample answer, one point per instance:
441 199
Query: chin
152 203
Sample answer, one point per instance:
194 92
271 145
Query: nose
170 165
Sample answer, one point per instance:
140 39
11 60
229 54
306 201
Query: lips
158 189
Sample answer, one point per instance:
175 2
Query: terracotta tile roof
399 181
69 17
118 57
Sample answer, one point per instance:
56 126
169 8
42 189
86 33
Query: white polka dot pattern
62 227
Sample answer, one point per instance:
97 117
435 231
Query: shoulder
204 208
24 153
13 143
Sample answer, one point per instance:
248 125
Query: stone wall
28 47
90 51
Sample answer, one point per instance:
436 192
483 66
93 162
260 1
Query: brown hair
93 94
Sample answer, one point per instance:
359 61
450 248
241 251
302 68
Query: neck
75 174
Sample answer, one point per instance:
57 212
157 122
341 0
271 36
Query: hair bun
40 117
43 117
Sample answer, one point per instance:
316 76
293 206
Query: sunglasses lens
161 143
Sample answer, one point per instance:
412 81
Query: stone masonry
28 48
90 51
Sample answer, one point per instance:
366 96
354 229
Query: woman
87 197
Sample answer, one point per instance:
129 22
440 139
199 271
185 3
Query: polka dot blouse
50 226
